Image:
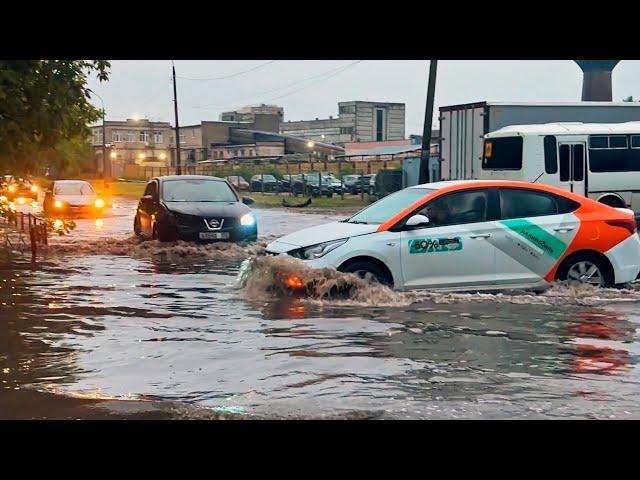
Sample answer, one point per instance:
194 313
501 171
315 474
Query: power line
253 95
232 75
313 83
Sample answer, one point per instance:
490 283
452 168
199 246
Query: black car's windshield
267 178
197 190
384 209
75 188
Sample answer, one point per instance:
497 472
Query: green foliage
43 104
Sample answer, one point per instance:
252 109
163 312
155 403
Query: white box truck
463 127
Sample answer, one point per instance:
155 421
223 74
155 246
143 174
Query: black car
271 183
194 208
287 181
309 184
354 183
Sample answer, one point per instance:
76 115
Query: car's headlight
34 188
12 188
99 203
318 250
58 204
247 220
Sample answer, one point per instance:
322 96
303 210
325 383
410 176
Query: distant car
334 183
69 197
20 188
193 208
238 182
271 183
309 185
287 181
372 185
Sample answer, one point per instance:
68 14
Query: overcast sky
310 88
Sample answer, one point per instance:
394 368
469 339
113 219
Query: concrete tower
596 83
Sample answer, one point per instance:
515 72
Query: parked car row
311 184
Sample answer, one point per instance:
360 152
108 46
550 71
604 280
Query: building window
347 109
346 130
130 136
242 153
182 137
116 136
193 133
381 129
97 137
157 137
143 136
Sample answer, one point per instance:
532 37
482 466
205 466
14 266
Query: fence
271 167
35 227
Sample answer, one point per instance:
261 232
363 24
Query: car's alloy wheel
586 271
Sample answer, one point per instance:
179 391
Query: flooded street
104 327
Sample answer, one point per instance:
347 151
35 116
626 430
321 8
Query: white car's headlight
318 250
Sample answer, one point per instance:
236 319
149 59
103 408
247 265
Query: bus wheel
612 201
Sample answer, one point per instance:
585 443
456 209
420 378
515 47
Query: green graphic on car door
531 244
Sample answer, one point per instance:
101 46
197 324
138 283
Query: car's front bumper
237 233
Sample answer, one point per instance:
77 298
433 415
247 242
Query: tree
43 104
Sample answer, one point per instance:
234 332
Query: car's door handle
391 244
481 235
563 229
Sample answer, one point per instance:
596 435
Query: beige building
138 141
248 114
356 122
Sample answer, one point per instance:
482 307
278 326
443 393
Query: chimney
596 83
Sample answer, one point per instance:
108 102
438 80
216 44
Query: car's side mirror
248 200
417 221
146 199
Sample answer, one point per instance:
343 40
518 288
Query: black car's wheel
364 268
136 226
162 234
586 268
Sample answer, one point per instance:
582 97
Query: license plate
214 235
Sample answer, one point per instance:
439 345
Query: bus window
550 154
565 158
578 163
612 153
635 141
502 153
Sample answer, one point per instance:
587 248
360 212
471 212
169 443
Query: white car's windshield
79 188
384 209
196 190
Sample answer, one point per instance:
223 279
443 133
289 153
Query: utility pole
175 104
428 120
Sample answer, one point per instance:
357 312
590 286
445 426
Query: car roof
71 181
188 177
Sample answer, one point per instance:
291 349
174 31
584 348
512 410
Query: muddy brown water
106 327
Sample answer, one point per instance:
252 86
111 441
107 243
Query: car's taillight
628 223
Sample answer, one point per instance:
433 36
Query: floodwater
106 327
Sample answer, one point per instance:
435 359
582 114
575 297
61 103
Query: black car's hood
209 209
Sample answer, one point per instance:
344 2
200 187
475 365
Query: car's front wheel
162 234
364 269
586 268
136 227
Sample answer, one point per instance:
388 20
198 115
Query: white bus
598 160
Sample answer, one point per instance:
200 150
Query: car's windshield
76 188
384 209
197 190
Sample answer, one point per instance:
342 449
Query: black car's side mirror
146 199
248 200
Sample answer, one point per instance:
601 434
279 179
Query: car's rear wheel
364 269
586 268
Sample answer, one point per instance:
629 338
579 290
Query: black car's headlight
318 250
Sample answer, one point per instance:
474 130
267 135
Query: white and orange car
476 235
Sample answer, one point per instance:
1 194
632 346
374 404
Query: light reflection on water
116 327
